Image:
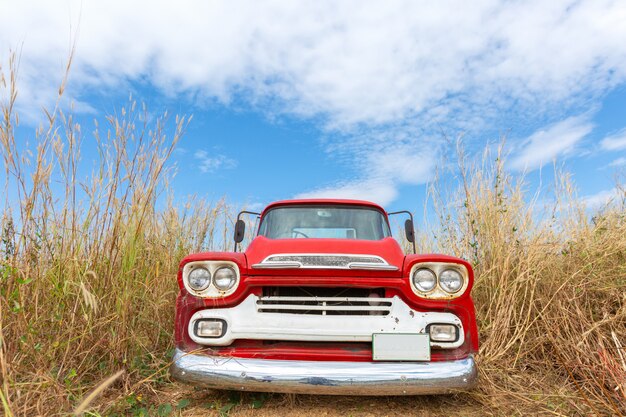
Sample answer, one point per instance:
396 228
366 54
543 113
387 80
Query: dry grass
87 270
550 292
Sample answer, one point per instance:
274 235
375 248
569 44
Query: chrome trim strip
324 377
277 265
299 307
295 265
327 299
275 304
269 264
360 265
328 254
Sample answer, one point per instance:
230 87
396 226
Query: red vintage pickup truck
324 301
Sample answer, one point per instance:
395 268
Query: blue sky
347 99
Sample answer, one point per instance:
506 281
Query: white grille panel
353 306
246 322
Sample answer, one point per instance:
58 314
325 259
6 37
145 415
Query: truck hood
386 249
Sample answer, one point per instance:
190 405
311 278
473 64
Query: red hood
262 247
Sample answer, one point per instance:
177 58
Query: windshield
334 222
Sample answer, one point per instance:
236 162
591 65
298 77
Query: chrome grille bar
362 265
327 299
277 265
323 305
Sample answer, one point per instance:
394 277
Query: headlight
224 278
211 278
439 280
443 332
451 281
199 278
424 279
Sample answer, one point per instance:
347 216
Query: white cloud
551 142
614 142
381 192
209 163
352 62
353 65
618 162
602 198
382 161
406 164
382 166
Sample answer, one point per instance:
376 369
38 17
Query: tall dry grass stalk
88 264
550 289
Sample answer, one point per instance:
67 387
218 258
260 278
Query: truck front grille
324 301
348 306
324 261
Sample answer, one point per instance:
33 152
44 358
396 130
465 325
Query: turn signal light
210 328
443 332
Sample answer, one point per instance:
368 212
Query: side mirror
240 231
240 227
409 230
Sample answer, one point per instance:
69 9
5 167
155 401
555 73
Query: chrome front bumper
324 377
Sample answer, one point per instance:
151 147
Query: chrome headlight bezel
419 287
211 291
232 279
192 276
449 275
439 293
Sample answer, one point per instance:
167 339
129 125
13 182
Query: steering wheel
297 232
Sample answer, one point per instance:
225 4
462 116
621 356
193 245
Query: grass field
87 270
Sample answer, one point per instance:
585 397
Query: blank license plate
400 347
